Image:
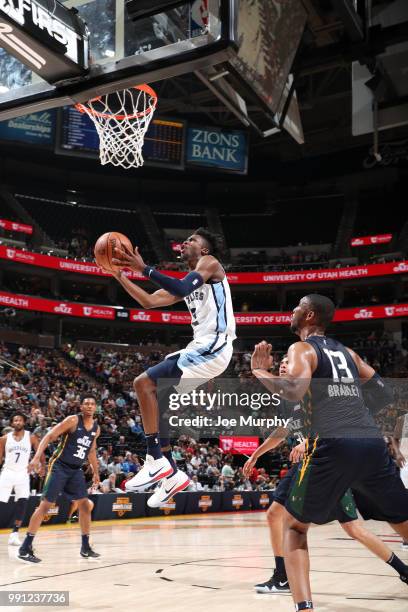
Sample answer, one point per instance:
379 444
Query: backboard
124 52
242 50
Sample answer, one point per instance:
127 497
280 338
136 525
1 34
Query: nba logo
389 310
11 253
87 311
165 317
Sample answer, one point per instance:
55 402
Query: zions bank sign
226 150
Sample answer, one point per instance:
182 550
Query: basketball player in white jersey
401 442
206 291
15 448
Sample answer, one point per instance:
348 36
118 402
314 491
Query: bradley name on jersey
343 390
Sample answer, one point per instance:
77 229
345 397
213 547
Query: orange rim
82 108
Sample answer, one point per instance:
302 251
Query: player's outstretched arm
35 443
146 300
301 364
275 439
64 427
207 268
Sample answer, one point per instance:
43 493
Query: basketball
104 249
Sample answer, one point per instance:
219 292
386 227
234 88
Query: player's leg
21 493
75 488
404 478
384 490
323 478
157 466
19 512
278 583
54 483
274 515
297 561
357 531
6 487
72 509
184 371
402 530
85 511
178 480
25 552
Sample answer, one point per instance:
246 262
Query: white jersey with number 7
17 452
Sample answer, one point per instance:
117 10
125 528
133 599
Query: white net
122 120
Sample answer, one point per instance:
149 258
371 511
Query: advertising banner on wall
234 278
369 240
94 311
36 128
222 149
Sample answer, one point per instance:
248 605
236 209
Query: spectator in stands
227 470
42 429
109 484
114 466
122 485
195 485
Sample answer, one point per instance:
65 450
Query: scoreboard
164 141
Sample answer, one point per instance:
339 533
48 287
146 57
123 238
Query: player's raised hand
249 466
400 460
298 452
34 466
261 357
125 258
95 481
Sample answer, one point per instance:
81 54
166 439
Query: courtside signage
225 150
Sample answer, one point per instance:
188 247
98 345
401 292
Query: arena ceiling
331 41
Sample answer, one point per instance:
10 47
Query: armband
377 394
177 287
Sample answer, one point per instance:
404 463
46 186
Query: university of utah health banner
238 445
367 240
94 311
13 226
235 278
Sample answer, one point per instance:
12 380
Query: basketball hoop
122 119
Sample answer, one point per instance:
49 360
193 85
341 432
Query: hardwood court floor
200 563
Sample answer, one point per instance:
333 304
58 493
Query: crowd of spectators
293 259
48 385
47 388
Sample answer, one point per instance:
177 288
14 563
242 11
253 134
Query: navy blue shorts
62 478
168 368
344 512
337 465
